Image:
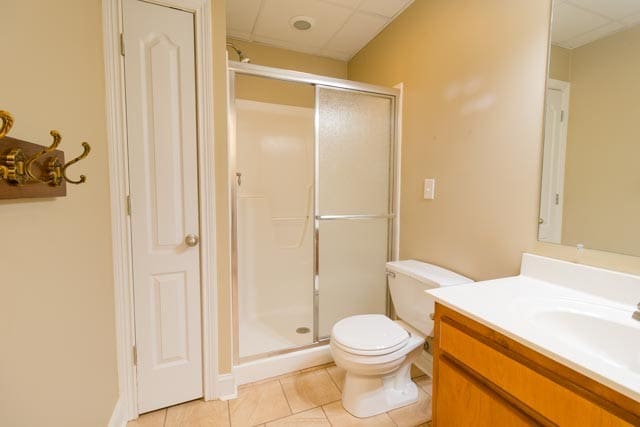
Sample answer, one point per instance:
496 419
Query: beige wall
274 91
277 91
282 58
560 64
474 75
58 360
602 178
261 55
609 260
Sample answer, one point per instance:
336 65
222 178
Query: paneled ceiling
340 27
578 22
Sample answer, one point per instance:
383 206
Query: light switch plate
429 189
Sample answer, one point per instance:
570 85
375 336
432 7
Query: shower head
241 56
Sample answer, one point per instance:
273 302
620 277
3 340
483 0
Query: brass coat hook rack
23 163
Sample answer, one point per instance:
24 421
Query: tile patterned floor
307 398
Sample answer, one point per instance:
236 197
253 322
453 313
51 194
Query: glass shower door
273 192
353 205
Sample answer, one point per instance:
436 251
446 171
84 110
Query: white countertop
589 331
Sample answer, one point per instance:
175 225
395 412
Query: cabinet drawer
548 398
481 407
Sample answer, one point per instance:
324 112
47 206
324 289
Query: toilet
377 352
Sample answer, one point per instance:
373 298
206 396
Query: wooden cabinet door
463 401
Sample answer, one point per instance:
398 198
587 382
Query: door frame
119 185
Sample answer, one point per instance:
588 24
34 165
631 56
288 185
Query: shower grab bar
289 218
335 217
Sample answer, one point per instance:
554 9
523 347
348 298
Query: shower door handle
353 217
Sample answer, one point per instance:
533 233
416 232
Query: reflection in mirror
590 192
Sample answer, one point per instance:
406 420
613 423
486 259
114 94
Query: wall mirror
590 192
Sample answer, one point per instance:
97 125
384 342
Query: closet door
162 144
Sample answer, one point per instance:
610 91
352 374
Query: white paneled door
162 144
553 162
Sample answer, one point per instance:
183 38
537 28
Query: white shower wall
274 154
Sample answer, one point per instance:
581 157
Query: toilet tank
408 281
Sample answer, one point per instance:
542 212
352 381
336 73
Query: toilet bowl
377 352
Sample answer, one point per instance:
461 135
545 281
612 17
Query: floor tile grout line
284 393
325 413
314 405
334 381
290 415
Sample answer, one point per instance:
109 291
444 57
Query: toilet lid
373 334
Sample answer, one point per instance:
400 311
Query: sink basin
605 332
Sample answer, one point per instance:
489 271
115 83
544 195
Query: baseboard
226 389
269 367
119 416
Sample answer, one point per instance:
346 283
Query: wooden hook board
31 189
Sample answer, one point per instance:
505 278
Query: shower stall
313 179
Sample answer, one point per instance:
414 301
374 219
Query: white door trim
118 178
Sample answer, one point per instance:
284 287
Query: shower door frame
394 95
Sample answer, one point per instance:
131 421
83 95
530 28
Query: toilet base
366 396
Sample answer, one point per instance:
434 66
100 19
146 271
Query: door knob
540 221
191 240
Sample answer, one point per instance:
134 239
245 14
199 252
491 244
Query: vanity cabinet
484 378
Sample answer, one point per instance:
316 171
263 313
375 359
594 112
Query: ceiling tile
570 22
388 8
593 35
241 14
273 21
298 47
352 4
342 56
357 32
238 35
613 9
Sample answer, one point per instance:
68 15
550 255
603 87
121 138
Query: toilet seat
369 335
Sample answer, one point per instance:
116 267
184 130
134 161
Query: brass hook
12 169
56 141
85 153
7 123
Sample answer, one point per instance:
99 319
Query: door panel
354 152
353 203
162 143
171 332
352 257
273 216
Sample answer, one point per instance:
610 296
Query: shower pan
313 178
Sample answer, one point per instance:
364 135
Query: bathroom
334 136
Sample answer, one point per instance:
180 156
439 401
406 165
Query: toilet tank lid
427 273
